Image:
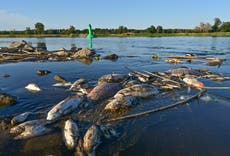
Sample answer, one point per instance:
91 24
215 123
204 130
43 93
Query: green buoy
90 36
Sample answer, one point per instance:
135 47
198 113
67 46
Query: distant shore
210 34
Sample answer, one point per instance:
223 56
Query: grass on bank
210 34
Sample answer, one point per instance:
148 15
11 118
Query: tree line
39 28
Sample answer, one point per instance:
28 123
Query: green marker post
90 36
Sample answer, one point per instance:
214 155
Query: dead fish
216 77
183 71
104 91
79 84
60 84
92 139
193 82
112 78
121 102
20 118
64 107
173 60
33 87
214 62
33 131
23 126
138 90
71 133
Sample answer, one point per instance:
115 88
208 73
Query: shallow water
197 128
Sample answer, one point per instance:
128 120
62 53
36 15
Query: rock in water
6 99
121 102
21 45
84 53
33 87
43 72
71 134
62 52
103 91
111 57
92 139
64 107
138 90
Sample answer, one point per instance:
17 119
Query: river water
197 128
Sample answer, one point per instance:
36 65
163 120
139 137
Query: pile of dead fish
21 51
118 91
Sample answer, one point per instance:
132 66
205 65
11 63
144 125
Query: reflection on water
41 46
198 128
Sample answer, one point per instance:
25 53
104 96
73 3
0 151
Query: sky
134 14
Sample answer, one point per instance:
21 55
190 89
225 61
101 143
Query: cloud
9 21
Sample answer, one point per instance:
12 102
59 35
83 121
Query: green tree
122 29
39 28
71 30
225 27
203 27
159 29
151 29
216 25
28 31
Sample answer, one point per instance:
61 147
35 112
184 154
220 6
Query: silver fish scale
104 91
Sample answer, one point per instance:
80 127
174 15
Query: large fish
71 133
29 129
121 102
104 91
184 71
138 90
64 107
92 139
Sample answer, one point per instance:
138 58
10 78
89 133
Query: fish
33 87
33 131
20 118
121 102
112 78
71 134
64 107
92 139
29 129
60 84
103 91
138 90
193 82
79 84
183 71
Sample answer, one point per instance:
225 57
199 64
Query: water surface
197 128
